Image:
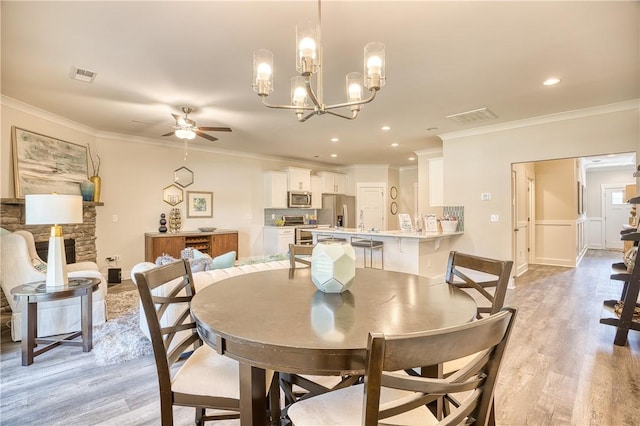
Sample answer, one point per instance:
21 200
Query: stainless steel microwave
299 199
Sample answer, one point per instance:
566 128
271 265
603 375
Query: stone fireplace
84 234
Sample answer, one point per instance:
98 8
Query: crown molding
544 119
45 115
429 152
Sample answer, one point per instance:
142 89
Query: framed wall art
42 164
199 204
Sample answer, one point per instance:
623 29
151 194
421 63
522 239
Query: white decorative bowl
449 225
333 266
207 229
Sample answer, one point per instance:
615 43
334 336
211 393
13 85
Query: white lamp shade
52 209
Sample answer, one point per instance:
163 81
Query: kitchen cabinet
333 183
298 179
275 190
316 192
276 239
212 243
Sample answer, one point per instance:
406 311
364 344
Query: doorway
616 213
370 209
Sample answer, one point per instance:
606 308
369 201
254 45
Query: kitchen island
421 253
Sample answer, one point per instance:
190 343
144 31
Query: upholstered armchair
20 264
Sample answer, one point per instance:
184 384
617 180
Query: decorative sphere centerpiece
333 266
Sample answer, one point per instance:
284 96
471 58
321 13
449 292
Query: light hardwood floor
561 367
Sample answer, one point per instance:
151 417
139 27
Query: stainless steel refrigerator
338 211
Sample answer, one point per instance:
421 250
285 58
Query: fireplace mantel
19 201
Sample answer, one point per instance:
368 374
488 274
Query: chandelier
305 101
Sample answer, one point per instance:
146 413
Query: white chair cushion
344 408
195 376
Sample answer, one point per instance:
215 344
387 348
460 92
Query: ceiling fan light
185 134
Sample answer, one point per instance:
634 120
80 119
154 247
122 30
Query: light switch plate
485 196
495 217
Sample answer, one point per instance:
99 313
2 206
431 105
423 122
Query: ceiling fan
186 128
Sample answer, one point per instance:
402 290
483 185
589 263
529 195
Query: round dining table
278 320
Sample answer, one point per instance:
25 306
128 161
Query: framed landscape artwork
199 204
42 164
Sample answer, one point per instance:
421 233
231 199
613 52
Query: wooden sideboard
212 243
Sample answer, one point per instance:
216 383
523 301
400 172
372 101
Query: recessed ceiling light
551 81
394 144
334 139
385 128
334 155
412 158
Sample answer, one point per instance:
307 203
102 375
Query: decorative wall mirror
183 177
394 208
172 195
394 192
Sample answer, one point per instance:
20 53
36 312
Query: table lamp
56 209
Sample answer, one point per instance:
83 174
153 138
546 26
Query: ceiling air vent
83 75
472 116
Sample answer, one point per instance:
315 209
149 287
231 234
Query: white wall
483 164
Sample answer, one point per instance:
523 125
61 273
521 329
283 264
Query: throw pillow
226 260
39 265
201 264
164 259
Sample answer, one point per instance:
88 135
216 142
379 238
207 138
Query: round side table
29 295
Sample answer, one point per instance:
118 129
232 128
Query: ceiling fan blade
176 117
169 134
206 136
215 129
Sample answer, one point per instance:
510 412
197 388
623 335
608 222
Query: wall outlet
116 257
114 218
495 218
485 196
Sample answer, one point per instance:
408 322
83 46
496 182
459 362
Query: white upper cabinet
333 183
316 192
298 179
275 190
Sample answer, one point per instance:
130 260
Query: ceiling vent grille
472 116
83 75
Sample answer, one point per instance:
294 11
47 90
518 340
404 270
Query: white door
616 213
371 206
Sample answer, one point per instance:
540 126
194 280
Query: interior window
617 197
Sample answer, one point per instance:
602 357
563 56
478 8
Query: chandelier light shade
54 209
185 133
306 100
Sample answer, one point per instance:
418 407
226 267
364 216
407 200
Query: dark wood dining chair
300 253
391 397
205 379
480 274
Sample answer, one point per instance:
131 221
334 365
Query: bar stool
369 244
329 237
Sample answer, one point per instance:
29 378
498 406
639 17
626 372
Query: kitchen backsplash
278 213
458 212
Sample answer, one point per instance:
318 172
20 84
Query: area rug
120 339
